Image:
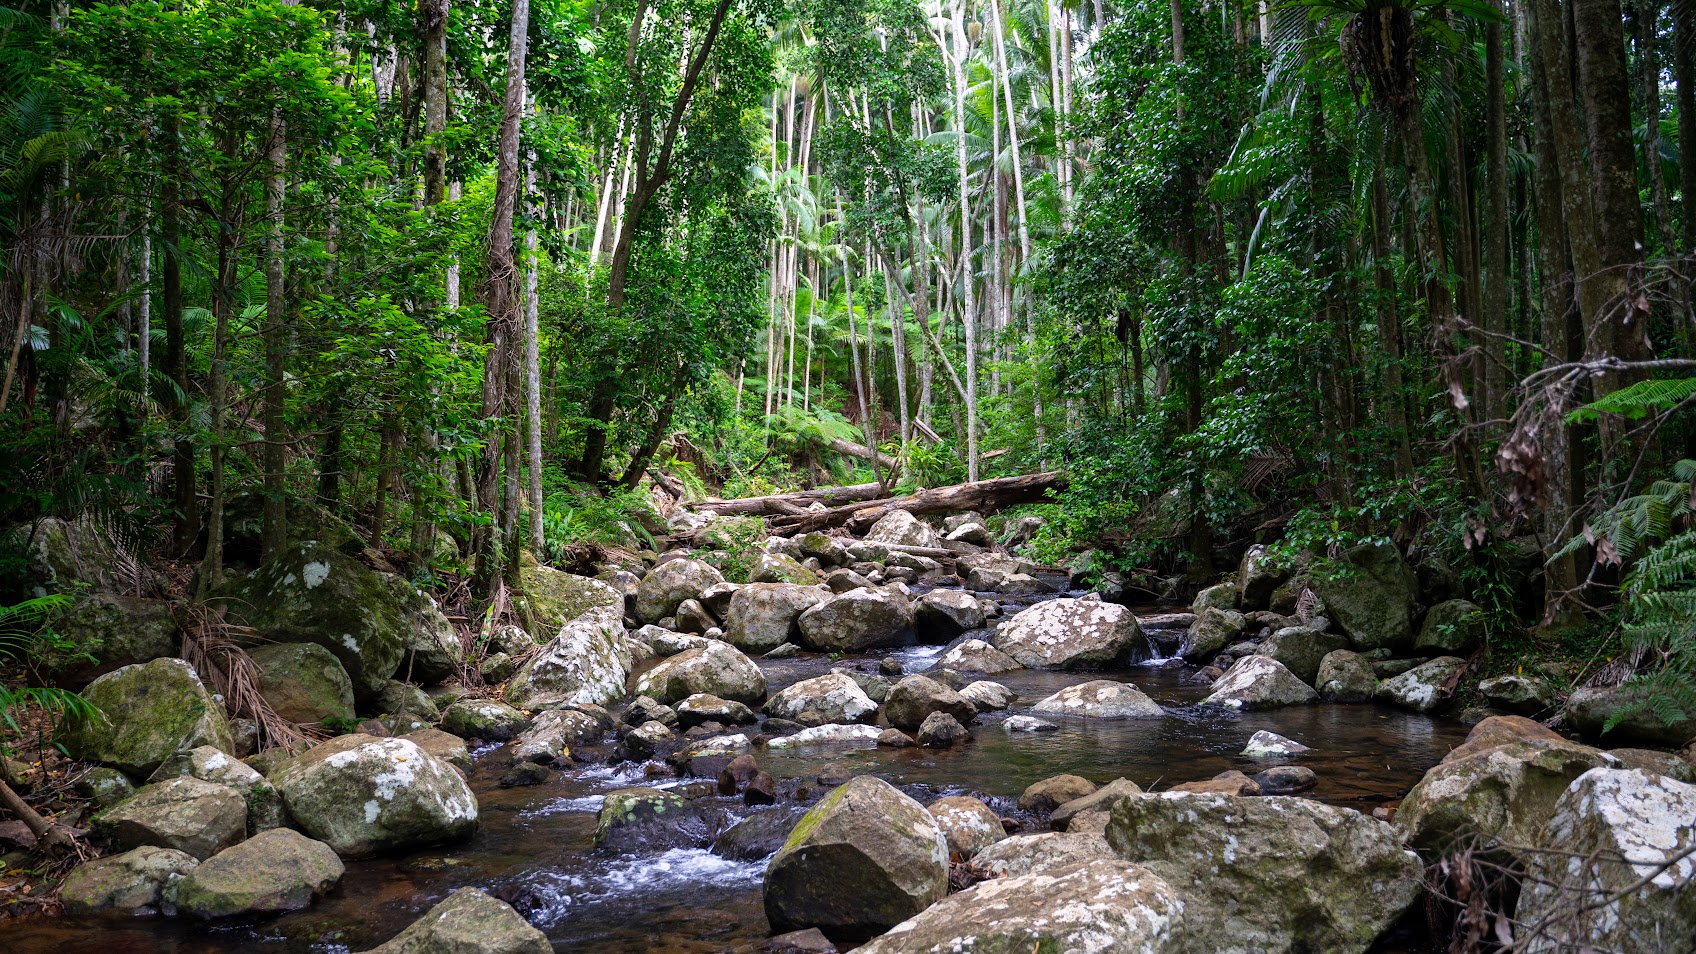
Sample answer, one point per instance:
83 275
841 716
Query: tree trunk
983 495
1496 378
533 368
968 312
1684 68
274 527
433 23
184 492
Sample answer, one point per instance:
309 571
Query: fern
1639 400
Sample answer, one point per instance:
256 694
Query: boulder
903 529
834 697
141 882
116 630
864 859
449 748
664 642
1501 793
1231 782
717 668
304 682
1102 799
842 580
1658 763
1219 596
264 807
968 824
398 697
1302 649
1022 530
940 730
1214 629
192 816
552 733
433 653
468 922
975 655
1259 682
1101 699
1271 875
1022 854
669 584
832 734
866 618
1370 593
1526 695
1346 676
1073 634
311 593
483 719
1043 797
976 534
999 573
782 568
1451 628
704 707
987 696
763 616
60 554
363 796
916 697
632 818
1020 724
1424 688
588 662
1285 780
1265 744
146 712
692 617
1589 712
1257 579
942 615
273 872
1622 877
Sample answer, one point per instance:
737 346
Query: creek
534 846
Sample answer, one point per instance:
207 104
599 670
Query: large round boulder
717 668
468 922
764 616
831 698
1271 875
1451 628
1214 629
666 586
145 713
1102 905
1101 699
363 796
273 872
1302 649
864 859
587 663
555 598
303 682
942 615
916 697
192 816
1370 592
484 719
1073 634
103 632
141 882
1619 875
1259 682
903 529
1345 676
866 618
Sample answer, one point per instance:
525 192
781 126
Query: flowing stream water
534 845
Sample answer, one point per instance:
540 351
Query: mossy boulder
468 922
665 586
763 616
484 719
1451 628
363 796
244 526
1370 592
1073 634
866 618
304 682
1259 682
975 655
1096 906
717 668
195 817
1221 596
1270 875
147 712
782 568
116 630
633 818
1302 649
1617 716
1345 676
588 662
1214 628
141 882
264 805
1257 579
831 698
61 554
862 860
273 872
555 598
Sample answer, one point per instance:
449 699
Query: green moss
804 828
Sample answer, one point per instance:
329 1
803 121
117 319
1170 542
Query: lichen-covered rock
1302 649
629 815
264 806
669 584
858 620
273 872
942 615
1526 695
1424 688
916 697
968 824
141 882
483 719
433 652
1102 799
1023 854
704 707
1219 596
193 816
105 787
782 568
1256 579
834 697
552 733
1346 676
664 642
1502 794
1050 793
1101 699
831 734
1270 875
556 598
1259 682
116 630
1073 634
975 655
1451 628
1370 593
864 859
363 796
987 696
903 529
1621 876
1589 711
60 554
1214 629
468 922
1026 724
303 682
717 668
998 573
1090 908
1265 744
312 593
763 616
146 713
588 662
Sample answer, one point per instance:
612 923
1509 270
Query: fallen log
848 448
793 503
985 495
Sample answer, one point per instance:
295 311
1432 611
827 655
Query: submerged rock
1102 905
193 816
1270 875
641 818
717 668
273 872
363 796
146 713
468 922
1259 682
588 662
861 861
1101 699
1073 634
1020 723
138 883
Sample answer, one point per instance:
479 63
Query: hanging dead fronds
209 645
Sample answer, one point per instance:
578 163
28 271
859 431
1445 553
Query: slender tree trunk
1013 128
433 24
1648 14
1496 277
533 368
184 492
968 311
274 528
1684 69
223 294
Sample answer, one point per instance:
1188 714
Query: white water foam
559 893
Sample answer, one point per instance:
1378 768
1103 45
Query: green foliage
1635 401
576 519
26 630
738 544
